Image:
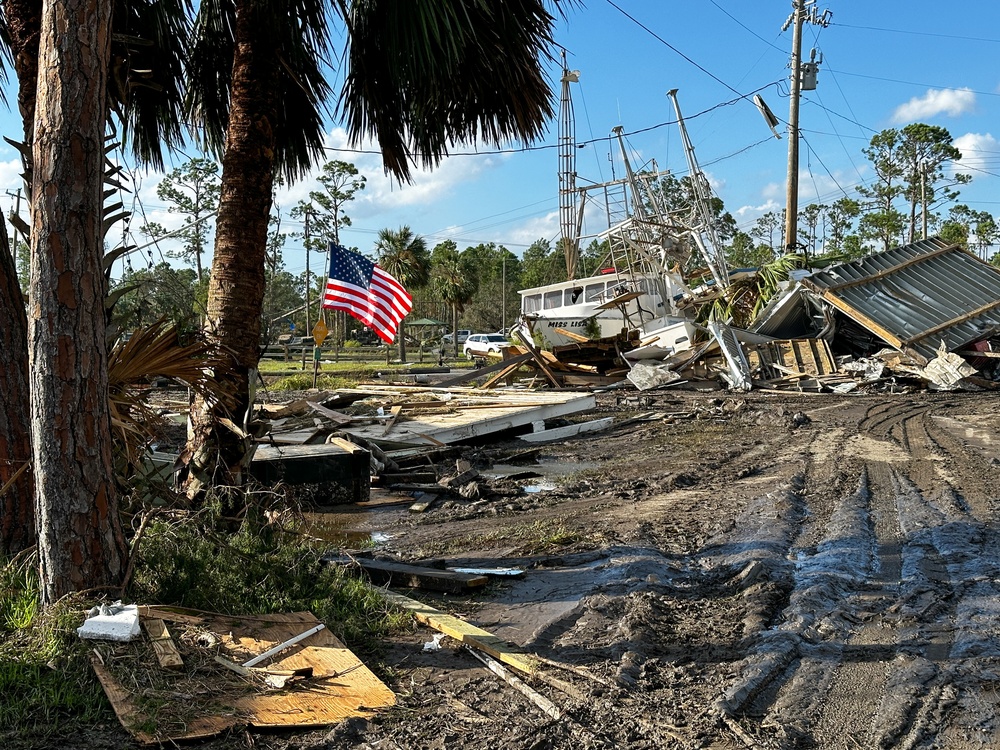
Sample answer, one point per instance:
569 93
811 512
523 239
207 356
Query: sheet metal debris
934 305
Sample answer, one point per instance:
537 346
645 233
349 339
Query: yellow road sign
320 332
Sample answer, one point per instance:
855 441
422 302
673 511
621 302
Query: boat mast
569 233
711 251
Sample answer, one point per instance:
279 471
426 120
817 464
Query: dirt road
765 571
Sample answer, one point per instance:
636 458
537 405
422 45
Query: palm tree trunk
236 284
80 540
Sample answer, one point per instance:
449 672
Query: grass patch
260 569
48 689
304 382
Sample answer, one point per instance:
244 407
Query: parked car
462 337
481 344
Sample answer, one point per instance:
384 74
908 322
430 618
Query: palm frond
427 74
146 80
292 38
155 352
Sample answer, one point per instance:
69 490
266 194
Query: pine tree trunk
236 284
80 540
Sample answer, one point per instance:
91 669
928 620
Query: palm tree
404 256
455 281
258 96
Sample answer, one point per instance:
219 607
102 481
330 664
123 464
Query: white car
462 337
481 344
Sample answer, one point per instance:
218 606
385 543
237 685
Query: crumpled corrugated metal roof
917 296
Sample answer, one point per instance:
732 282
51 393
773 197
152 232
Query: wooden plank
561 433
963 353
416 577
537 357
334 416
347 445
393 414
465 377
573 336
464 632
163 644
506 373
424 501
863 319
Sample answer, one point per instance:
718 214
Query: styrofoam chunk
120 626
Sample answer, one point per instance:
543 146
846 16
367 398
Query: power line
915 83
920 33
747 28
670 46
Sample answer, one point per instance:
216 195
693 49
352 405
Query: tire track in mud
891 628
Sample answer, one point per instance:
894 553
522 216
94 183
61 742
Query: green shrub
257 570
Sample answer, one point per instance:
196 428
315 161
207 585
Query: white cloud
540 227
755 211
772 190
978 150
952 102
382 193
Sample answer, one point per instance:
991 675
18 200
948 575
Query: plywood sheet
341 686
470 414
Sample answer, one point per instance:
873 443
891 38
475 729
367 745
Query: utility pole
923 195
305 242
802 11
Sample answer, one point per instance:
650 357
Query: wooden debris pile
196 675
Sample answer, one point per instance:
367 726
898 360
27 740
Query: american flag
362 289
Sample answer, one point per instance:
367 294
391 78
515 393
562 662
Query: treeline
475 287
915 189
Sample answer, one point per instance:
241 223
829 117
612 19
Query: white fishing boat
641 288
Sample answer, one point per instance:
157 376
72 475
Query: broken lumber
560 433
544 704
424 501
163 644
465 377
465 633
415 576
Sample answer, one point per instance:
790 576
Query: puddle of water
538 487
343 531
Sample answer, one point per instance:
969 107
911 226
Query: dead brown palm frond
153 352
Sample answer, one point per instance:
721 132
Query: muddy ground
758 571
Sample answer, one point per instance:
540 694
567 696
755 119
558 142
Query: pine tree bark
215 454
80 540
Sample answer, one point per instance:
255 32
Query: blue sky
884 65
